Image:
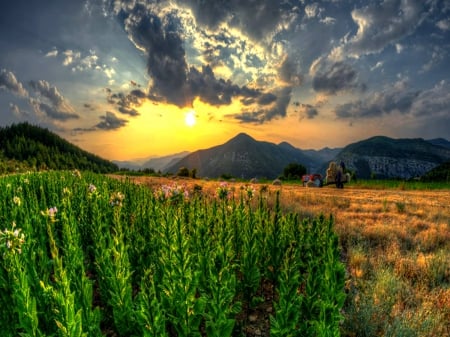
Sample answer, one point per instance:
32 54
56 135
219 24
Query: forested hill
38 148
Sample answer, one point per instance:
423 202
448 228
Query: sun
190 119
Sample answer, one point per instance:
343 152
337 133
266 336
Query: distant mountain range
25 146
244 157
384 157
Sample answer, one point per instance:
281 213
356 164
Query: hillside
384 157
440 141
38 148
161 163
244 157
439 173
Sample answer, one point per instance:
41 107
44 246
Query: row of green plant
399 184
83 255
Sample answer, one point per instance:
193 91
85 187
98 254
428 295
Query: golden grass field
395 245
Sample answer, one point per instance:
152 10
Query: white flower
17 200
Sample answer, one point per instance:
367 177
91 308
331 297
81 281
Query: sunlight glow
190 119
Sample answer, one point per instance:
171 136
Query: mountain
161 163
324 155
244 157
38 148
128 164
384 157
440 141
439 173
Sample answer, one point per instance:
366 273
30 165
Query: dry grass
395 244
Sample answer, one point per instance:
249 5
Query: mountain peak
242 136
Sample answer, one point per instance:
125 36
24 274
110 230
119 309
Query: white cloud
381 25
9 82
52 53
311 10
328 20
376 66
444 24
70 56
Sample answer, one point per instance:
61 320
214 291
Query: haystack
331 172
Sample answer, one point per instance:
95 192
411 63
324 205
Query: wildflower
92 188
116 199
250 192
173 193
223 192
26 181
17 200
51 213
12 239
66 191
76 173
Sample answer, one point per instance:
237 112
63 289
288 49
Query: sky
133 79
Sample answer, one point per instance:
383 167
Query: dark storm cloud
395 99
160 39
160 36
289 72
108 122
266 99
126 103
9 82
111 122
337 77
307 110
382 24
258 19
261 115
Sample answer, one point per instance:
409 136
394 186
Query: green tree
183 172
294 171
193 173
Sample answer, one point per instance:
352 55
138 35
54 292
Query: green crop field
86 255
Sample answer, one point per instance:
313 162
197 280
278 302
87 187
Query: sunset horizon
138 79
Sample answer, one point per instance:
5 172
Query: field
85 255
395 240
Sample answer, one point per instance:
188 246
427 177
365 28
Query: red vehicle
316 180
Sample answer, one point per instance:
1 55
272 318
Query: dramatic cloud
17 111
9 82
399 99
249 61
289 72
43 109
261 114
54 106
267 17
127 103
161 36
306 110
215 91
111 122
380 25
337 77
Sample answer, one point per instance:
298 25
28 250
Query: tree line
27 146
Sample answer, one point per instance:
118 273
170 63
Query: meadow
88 255
394 240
